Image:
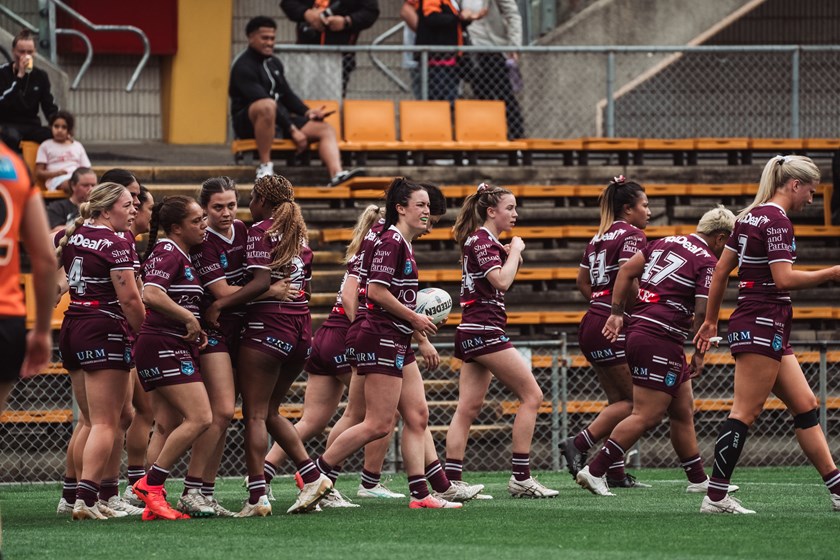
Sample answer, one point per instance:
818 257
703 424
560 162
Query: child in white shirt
59 157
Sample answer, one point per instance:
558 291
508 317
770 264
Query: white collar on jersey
227 240
406 241
703 241
490 233
165 240
782 210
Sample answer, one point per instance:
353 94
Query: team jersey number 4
74 277
672 263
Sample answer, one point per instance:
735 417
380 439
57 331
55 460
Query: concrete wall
578 81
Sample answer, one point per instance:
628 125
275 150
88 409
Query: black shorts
243 128
12 347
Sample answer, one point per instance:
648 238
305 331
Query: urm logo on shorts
97 354
340 359
739 336
187 367
398 363
150 373
407 268
670 379
640 372
777 342
284 347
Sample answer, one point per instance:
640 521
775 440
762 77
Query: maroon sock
521 466
584 441
832 482
87 491
718 488
191 483
308 471
323 466
611 453
370 479
157 476
616 469
110 487
270 471
68 491
334 473
208 489
256 488
693 467
436 477
454 469
417 487
135 473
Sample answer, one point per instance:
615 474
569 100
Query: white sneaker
433 502
83 511
311 494
343 176
116 503
218 508
64 507
703 487
529 488
107 510
595 484
129 496
835 502
265 169
194 504
335 500
460 491
378 491
727 505
261 509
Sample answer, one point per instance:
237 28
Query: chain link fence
37 426
571 92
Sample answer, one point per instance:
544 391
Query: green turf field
794 521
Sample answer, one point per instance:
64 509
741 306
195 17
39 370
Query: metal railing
770 91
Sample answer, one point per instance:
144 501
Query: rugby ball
435 303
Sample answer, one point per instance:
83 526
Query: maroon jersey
604 255
760 238
677 270
90 255
364 258
393 266
171 270
484 305
128 236
220 258
337 316
259 255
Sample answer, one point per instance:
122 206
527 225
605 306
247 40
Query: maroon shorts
286 338
385 353
226 338
165 360
760 328
472 344
656 361
598 350
350 339
329 356
94 343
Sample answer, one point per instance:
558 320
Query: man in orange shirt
22 218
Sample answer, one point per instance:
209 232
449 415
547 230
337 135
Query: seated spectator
332 22
58 158
23 90
264 106
64 212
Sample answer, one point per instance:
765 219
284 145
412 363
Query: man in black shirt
23 90
64 212
263 105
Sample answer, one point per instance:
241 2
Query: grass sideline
794 520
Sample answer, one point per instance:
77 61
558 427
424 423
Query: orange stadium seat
482 126
370 126
427 126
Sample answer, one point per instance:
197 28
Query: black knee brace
806 420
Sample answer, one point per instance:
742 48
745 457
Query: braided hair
287 224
